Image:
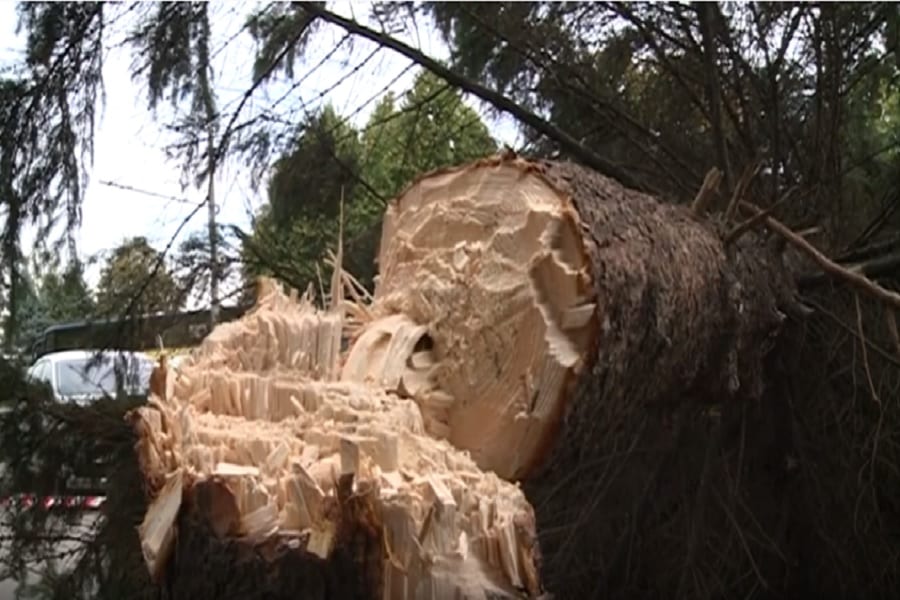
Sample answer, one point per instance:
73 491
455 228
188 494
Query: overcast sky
129 143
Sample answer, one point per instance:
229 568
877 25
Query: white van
82 376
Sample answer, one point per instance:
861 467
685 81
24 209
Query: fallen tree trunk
528 319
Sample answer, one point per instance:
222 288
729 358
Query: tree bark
687 329
553 326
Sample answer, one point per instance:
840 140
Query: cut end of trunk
483 310
261 438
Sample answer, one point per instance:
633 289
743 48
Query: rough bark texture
685 330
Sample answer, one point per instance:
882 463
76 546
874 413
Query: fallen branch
742 228
874 267
739 190
707 191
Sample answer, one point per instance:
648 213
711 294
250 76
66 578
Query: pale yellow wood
482 310
157 531
267 418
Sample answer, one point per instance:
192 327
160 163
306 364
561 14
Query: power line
129 188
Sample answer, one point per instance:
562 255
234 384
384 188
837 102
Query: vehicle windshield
89 376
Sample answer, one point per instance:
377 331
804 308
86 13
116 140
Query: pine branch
494 98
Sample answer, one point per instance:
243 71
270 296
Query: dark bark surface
204 566
685 329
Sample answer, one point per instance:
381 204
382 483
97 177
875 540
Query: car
84 376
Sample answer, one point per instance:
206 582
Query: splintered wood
483 311
260 430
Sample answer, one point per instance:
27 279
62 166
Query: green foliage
137 281
323 165
281 32
171 45
191 264
429 128
41 444
636 83
31 315
50 124
65 296
168 42
58 297
47 113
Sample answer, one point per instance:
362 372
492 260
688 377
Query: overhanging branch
497 100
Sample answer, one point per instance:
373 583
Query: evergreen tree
136 281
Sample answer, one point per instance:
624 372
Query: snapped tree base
259 444
528 319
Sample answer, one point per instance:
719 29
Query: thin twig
840 322
262 77
707 191
858 281
865 355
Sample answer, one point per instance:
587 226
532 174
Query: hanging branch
490 96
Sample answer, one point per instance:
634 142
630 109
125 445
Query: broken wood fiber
521 308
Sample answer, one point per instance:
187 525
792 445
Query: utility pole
213 233
209 105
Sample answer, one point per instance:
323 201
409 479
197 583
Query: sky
129 142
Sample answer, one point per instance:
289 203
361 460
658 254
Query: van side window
41 371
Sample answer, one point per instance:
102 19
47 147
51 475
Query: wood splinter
267 449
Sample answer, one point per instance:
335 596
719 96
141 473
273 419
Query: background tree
30 318
55 298
136 281
66 296
430 127
191 264
300 221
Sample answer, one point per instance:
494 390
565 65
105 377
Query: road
8 586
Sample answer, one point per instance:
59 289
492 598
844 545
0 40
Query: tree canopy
430 127
136 280
66 295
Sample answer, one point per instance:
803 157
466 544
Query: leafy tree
430 127
136 281
191 263
65 296
291 234
58 297
31 315
323 165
